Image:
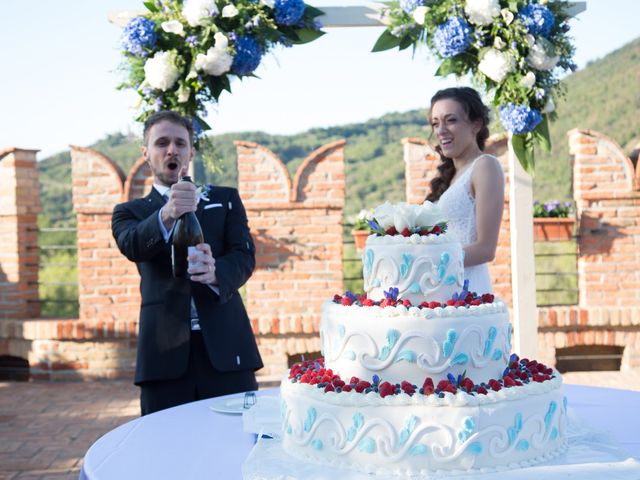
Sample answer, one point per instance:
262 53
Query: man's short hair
169 116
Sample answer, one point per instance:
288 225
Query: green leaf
513 5
456 65
541 134
406 42
386 41
313 11
152 7
523 148
306 35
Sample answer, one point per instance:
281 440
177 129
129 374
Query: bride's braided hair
472 105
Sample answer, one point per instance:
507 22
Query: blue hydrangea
410 5
248 55
288 12
452 37
137 35
538 19
519 118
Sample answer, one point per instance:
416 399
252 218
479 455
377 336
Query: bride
469 186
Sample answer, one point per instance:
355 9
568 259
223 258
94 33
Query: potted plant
553 221
361 229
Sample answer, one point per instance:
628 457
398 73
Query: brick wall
608 207
421 163
19 208
297 227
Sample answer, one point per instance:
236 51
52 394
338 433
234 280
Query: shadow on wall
272 252
600 235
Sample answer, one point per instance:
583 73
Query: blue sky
59 73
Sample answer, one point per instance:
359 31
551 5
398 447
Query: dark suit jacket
164 330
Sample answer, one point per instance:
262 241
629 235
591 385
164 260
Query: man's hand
182 199
202 265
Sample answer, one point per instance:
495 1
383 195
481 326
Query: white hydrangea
496 64
404 216
384 215
482 12
541 57
160 71
216 61
196 11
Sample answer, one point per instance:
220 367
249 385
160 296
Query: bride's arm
487 185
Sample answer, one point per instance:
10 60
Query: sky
59 71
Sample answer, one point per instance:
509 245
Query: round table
193 442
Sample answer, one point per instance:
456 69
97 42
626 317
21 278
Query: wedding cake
418 375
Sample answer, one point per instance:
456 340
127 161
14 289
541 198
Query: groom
195 339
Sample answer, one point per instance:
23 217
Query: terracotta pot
360 238
553 229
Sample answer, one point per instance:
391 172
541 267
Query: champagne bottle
186 235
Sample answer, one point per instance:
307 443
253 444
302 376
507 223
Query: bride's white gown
459 207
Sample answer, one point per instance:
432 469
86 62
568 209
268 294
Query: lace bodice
459 207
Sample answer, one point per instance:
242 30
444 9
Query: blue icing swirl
392 338
509 332
451 280
463 435
459 359
554 433
376 283
358 420
341 331
350 355
409 427
351 434
407 356
407 260
445 258
442 270
491 336
368 260
447 346
522 446
289 430
419 449
317 444
469 424
549 416
497 355
515 430
475 448
311 418
367 445
564 403
414 288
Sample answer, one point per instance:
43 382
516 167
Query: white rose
482 12
196 11
160 71
429 215
496 64
419 13
529 80
173 26
229 11
183 94
549 106
221 41
404 216
498 43
268 3
216 61
540 55
384 215
507 15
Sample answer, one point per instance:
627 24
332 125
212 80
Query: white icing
404 434
420 336
428 267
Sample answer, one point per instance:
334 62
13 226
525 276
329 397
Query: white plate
234 405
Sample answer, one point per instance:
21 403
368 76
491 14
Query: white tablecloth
193 442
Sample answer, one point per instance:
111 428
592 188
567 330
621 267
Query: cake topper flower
406 219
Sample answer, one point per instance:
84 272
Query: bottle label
193 251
